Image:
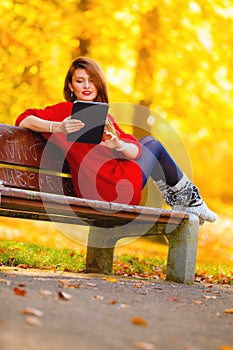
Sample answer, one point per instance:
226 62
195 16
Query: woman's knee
149 141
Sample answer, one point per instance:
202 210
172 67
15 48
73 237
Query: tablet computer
94 115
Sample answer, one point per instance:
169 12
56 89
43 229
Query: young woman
117 169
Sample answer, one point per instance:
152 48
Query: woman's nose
87 83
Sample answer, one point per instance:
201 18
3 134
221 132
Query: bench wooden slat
22 146
22 164
18 199
31 179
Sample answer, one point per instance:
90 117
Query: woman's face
83 86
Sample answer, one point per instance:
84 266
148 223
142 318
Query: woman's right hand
69 125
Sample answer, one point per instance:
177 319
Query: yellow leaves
7 4
33 69
112 279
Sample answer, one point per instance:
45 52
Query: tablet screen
94 115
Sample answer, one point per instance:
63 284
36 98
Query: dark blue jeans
156 162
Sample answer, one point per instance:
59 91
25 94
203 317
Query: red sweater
97 172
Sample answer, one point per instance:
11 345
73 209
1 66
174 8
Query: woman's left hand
110 141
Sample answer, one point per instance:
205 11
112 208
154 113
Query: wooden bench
35 184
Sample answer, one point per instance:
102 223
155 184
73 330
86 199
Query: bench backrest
21 153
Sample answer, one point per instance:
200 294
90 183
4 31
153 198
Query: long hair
95 71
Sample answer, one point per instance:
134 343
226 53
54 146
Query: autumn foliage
173 57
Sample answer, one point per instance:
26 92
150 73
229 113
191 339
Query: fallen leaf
23 266
69 284
174 299
5 281
21 292
91 284
142 292
209 296
32 321
197 302
138 285
21 284
228 311
97 297
32 311
139 321
45 292
143 345
111 279
125 306
112 302
64 295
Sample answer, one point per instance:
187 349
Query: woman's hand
130 150
68 125
110 141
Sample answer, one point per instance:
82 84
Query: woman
118 168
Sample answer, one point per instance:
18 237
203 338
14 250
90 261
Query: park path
49 310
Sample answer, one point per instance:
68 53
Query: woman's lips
87 93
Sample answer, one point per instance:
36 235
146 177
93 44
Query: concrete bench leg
181 263
100 251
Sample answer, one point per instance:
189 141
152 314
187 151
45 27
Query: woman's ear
70 87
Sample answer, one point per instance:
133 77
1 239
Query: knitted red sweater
97 172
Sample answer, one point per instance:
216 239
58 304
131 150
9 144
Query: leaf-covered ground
27 255
47 309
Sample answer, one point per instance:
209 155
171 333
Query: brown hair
95 71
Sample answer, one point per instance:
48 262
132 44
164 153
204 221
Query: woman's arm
127 144
67 126
130 150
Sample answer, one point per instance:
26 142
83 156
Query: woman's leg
177 190
156 162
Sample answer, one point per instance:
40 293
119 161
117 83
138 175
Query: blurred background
172 58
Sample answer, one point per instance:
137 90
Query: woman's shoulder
61 105
64 109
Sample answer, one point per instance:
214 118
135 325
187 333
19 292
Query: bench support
181 261
100 251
